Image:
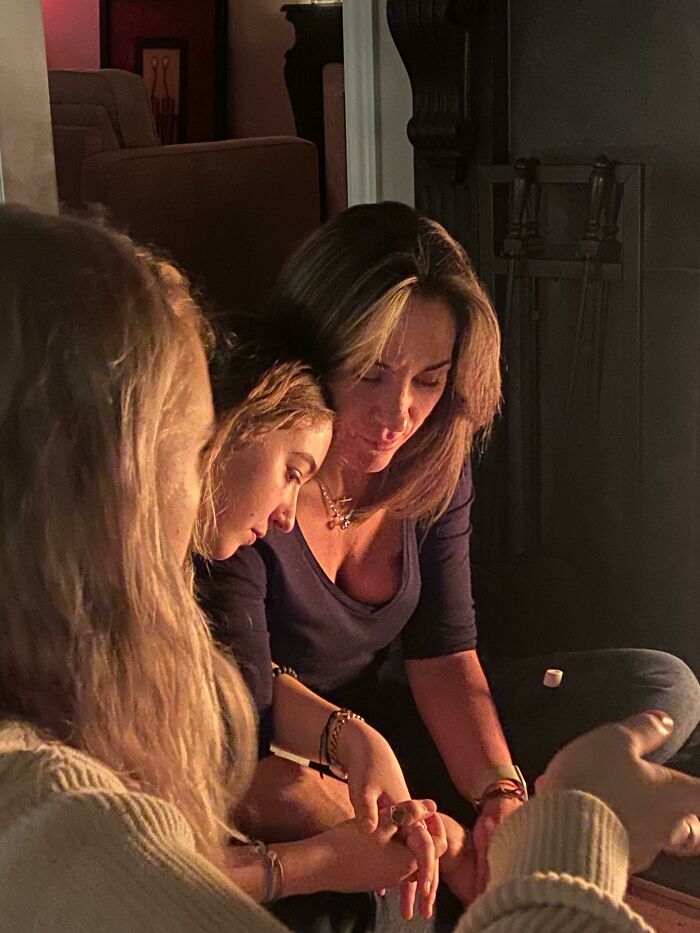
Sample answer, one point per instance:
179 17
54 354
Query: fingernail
665 720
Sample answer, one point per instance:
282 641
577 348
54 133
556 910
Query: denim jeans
599 686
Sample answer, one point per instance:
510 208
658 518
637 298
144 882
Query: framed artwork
180 47
163 65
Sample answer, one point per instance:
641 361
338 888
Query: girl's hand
652 802
375 782
427 840
355 861
375 777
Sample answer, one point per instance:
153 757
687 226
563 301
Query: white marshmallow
553 677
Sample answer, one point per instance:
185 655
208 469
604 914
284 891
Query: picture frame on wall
162 63
180 48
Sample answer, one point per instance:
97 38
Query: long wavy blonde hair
339 299
102 645
254 395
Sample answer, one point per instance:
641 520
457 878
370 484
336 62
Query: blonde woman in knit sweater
125 738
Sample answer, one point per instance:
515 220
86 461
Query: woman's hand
652 802
375 778
493 812
458 864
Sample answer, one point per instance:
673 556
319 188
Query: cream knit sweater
79 853
558 865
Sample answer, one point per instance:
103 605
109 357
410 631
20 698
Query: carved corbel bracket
433 38
456 56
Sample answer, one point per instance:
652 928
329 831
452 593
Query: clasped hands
656 805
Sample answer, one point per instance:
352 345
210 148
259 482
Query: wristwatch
492 777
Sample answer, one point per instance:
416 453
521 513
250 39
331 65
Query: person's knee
671 674
673 688
288 801
688 689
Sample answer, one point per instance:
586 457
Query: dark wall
623 78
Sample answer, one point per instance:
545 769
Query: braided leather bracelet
512 793
328 748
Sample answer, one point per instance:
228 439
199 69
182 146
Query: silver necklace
341 517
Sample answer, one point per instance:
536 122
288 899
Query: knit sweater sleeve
111 862
557 865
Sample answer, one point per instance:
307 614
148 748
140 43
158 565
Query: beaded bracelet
277 671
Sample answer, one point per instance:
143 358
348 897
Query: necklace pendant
340 519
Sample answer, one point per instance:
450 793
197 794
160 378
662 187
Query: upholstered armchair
229 212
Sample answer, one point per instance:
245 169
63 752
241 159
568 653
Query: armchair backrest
95 111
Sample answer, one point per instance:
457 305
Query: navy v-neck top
273 601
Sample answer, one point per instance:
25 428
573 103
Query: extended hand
651 801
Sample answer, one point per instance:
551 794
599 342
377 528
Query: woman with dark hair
386 309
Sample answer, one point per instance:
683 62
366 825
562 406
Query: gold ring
398 816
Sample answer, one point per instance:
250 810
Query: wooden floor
666 910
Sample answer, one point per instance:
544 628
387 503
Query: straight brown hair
338 300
